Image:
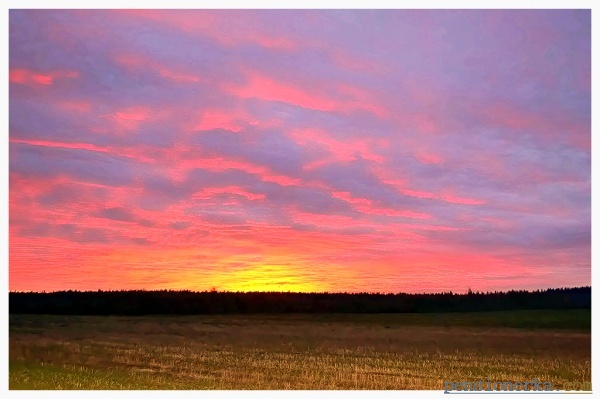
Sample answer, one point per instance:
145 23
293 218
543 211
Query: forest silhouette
171 302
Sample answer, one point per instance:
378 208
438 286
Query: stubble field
340 351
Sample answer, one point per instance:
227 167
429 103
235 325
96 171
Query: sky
299 150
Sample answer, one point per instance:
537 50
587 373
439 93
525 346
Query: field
298 351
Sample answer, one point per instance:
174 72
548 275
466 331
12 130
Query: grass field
384 351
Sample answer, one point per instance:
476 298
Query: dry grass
282 352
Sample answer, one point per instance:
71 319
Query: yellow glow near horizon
267 278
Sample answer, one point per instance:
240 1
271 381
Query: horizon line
468 292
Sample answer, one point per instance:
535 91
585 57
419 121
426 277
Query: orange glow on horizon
260 278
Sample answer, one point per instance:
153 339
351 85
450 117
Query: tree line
170 302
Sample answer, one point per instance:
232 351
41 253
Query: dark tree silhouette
143 302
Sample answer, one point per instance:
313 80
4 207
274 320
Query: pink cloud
33 78
429 157
461 200
346 196
177 76
130 118
370 208
219 119
218 164
139 154
329 221
266 88
221 27
445 196
339 150
208 193
175 73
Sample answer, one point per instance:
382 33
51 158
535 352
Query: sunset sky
323 150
